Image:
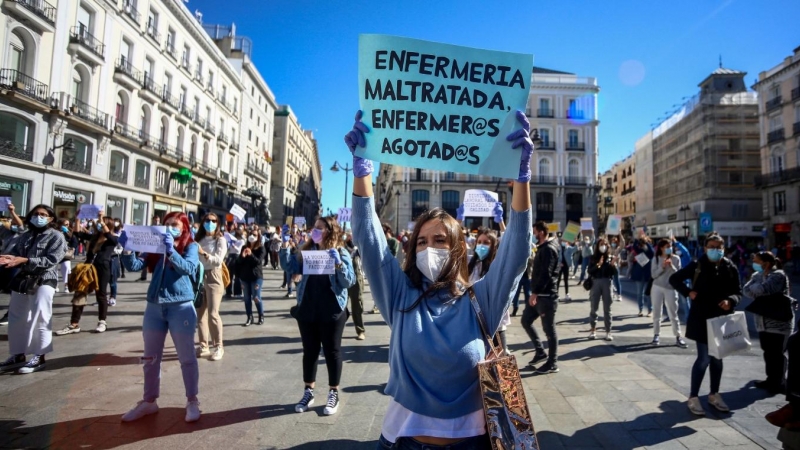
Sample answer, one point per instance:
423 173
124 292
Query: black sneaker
333 403
4 320
13 363
539 356
306 401
548 367
34 365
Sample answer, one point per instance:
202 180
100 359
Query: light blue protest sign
439 106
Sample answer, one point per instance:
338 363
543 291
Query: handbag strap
482 322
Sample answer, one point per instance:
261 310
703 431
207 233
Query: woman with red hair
170 307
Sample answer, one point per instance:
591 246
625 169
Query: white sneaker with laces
716 401
695 407
592 335
333 403
306 401
218 352
192 411
609 337
141 409
112 301
69 329
101 327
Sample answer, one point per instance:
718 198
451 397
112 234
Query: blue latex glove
122 239
286 238
285 229
335 255
498 207
460 213
361 167
169 241
521 138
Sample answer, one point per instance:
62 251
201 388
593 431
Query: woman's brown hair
334 238
660 246
486 262
201 231
596 255
454 276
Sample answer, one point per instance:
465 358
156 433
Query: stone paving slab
625 394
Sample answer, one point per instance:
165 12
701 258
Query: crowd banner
317 262
614 226
344 214
145 239
440 106
238 212
89 212
479 203
571 232
299 221
4 203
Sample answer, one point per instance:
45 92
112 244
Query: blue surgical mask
210 227
482 251
14 228
39 221
65 229
757 267
613 245
667 251
714 254
174 231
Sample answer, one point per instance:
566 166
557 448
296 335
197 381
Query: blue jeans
407 443
287 280
699 370
180 319
683 308
252 293
524 286
617 284
116 268
644 300
584 265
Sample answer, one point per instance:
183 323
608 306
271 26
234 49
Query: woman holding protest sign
436 340
170 308
213 248
248 270
321 310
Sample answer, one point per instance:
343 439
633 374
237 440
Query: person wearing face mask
680 250
616 247
248 270
436 341
586 254
37 252
642 274
236 242
768 280
117 271
101 248
321 310
715 292
72 244
212 251
567 252
602 269
662 294
170 309
118 227
356 292
482 258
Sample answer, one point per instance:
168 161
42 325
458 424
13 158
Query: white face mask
603 249
251 238
430 262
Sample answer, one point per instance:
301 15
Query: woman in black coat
715 292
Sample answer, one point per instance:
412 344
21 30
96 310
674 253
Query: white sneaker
141 409
695 407
609 337
592 335
333 403
69 329
203 352
57 290
101 327
192 411
112 301
66 290
218 352
567 298
716 401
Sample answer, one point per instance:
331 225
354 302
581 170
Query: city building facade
618 197
779 124
704 165
563 107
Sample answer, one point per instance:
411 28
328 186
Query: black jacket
248 268
544 280
715 283
606 270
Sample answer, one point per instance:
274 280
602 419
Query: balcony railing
166 149
185 64
198 75
152 86
547 145
778 177
575 114
187 111
170 99
578 146
774 102
775 136
224 176
795 93
234 145
124 66
221 137
24 84
143 183
210 128
163 188
123 129
16 150
80 35
131 12
39 7
153 33
544 179
74 166
85 111
199 120
119 177
545 113
575 181
170 48
796 128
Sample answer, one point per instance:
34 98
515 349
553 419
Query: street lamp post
50 158
397 211
684 209
347 169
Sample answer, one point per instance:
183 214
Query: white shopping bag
727 335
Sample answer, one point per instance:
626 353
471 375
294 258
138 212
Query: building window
544 206
574 168
573 138
574 207
162 178
17 133
775 123
78 160
776 161
779 200
451 202
121 108
449 176
118 167
420 202
544 135
142 175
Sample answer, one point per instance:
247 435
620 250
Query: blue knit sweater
435 348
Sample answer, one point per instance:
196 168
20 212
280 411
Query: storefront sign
8 186
782 227
65 196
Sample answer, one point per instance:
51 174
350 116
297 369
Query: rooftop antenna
720 61
199 16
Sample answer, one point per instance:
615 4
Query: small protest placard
317 262
411 226
4 202
89 211
553 227
614 226
571 232
289 220
642 259
299 221
251 220
479 203
145 239
670 234
586 223
344 214
440 106
238 212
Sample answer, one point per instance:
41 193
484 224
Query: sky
646 55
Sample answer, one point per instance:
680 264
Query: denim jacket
172 279
341 280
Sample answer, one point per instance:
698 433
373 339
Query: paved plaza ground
622 395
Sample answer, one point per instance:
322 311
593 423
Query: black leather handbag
775 307
26 282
